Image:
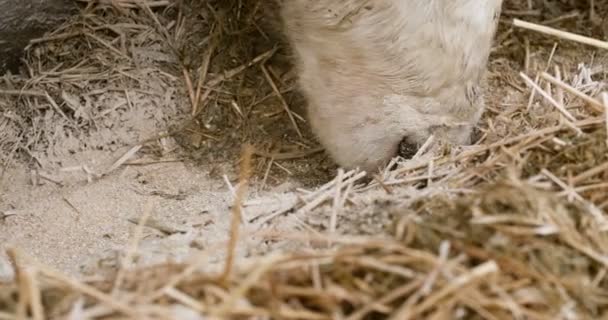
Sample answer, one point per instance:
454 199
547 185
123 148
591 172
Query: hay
513 226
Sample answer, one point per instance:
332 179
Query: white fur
376 71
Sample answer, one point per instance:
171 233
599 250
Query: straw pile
513 227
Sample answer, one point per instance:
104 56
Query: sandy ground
78 225
67 215
64 202
70 227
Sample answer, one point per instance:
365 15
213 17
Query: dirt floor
111 82
123 113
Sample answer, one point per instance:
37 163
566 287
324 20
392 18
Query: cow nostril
407 149
475 136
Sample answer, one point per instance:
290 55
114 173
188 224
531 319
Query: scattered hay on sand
514 226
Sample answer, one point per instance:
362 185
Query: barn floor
99 137
67 196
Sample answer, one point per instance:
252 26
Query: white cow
376 72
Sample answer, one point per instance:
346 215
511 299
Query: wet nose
407 148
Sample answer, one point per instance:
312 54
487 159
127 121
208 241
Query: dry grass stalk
283 102
131 4
122 160
549 98
476 274
593 103
71 283
605 104
132 249
237 217
560 34
201 79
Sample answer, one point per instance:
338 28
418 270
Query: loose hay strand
237 217
549 98
81 287
132 248
283 102
560 34
605 104
476 274
596 105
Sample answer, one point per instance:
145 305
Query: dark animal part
407 149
